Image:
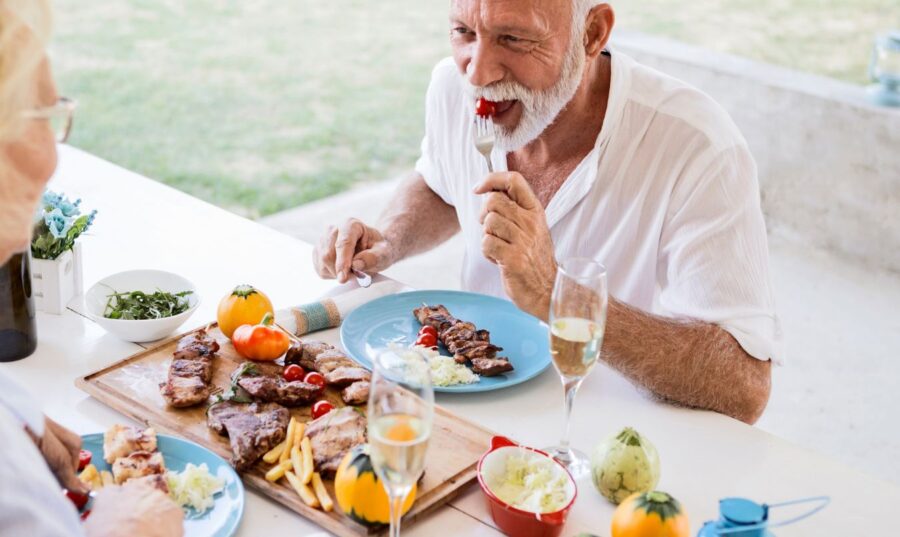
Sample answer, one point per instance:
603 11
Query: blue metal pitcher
740 517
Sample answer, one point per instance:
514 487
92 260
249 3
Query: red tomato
80 500
321 408
315 378
426 340
84 458
427 329
293 372
85 514
485 108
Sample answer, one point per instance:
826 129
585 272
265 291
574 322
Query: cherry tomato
84 458
426 340
485 108
427 329
80 500
321 408
314 378
85 514
293 372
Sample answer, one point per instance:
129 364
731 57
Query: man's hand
135 509
60 447
517 239
353 243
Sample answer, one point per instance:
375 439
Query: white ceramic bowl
148 281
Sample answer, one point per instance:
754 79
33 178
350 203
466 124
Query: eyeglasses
60 116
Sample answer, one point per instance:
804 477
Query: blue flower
51 199
68 208
57 223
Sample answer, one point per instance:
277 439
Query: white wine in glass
577 323
401 410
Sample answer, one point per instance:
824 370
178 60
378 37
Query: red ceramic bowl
509 519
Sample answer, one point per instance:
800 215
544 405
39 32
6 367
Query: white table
705 456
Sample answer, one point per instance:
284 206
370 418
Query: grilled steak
488 367
464 341
346 375
190 372
278 390
312 349
333 435
197 344
252 429
356 393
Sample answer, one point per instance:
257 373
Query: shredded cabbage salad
530 484
194 487
444 369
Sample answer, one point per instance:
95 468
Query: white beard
540 108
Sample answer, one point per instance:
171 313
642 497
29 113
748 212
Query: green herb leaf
137 305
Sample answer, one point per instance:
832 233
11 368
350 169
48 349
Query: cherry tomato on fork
321 408
293 372
485 108
316 378
84 458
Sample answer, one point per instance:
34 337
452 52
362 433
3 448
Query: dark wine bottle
18 332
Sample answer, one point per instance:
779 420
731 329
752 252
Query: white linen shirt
667 201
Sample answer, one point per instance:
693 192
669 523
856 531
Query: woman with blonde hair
37 455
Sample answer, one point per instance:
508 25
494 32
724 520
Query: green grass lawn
262 105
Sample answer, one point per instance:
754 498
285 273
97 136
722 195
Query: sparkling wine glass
401 410
577 322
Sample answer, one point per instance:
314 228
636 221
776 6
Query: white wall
829 162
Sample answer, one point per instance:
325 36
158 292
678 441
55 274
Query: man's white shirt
668 201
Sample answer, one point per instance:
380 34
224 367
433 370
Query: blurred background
302 113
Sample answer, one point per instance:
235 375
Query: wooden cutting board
131 386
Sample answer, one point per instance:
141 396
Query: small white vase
55 282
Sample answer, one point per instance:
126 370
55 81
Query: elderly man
597 156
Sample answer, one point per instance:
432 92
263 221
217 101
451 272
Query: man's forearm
417 219
693 363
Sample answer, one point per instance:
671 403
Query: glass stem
396 500
571 388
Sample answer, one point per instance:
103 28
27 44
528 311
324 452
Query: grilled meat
190 372
122 440
197 344
312 349
344 375
278 390
333 435
332 359
252 429
488 367
294 354
138 464
464 340
156 481
356 393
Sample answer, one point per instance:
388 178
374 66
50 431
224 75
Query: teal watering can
740 517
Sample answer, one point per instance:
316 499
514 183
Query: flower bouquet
56 268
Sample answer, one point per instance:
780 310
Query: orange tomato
651 514
261 342
244 305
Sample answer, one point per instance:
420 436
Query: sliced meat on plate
489 367
138 464
123 440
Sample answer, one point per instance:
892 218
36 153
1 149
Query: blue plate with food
475 343
201 482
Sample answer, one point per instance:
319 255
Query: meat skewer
466 342
190 373
338 369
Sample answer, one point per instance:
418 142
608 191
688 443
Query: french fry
96 482
273 455
306 449
297 461
277 471
288 440
87 475
299 433
322 493
308 497
107 478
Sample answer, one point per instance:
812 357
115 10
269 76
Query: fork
484 138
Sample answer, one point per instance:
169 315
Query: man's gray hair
580 9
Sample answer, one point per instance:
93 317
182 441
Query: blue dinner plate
370 328
223 518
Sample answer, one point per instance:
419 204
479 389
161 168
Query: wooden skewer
294 338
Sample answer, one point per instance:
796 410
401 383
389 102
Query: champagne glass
401 410
577 322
